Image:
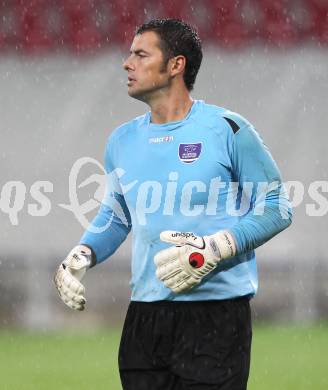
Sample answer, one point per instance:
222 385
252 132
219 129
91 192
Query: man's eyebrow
138 51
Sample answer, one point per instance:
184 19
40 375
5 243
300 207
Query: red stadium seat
229 29
37 37
278 27
82 34
320 31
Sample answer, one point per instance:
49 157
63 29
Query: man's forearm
256 228
104 242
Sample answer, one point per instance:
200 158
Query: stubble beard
146 96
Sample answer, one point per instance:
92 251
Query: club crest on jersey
188 153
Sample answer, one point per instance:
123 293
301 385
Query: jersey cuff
93 255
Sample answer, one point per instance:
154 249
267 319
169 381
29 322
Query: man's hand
183 266
68 276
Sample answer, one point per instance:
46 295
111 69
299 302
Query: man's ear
177 65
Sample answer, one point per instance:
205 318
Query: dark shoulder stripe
233 124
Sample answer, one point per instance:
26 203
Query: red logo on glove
196 260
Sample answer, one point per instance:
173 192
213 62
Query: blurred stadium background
62 93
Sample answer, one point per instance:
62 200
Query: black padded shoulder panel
233 124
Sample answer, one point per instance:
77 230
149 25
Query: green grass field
283 358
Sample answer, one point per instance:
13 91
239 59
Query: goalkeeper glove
69 274
184 265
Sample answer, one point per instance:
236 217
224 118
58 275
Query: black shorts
186 345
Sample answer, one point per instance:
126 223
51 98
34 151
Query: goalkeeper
200 191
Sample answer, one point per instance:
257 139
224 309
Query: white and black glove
184 265
69 274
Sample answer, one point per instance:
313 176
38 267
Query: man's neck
170 108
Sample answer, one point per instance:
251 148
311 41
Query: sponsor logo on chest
159 140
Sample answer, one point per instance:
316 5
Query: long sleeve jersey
208 172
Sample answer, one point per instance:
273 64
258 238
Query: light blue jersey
205 173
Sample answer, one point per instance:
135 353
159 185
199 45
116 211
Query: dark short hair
177 38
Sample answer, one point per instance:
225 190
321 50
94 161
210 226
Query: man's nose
127 65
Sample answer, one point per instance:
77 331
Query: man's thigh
149 380
146 347
212 346
186 345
